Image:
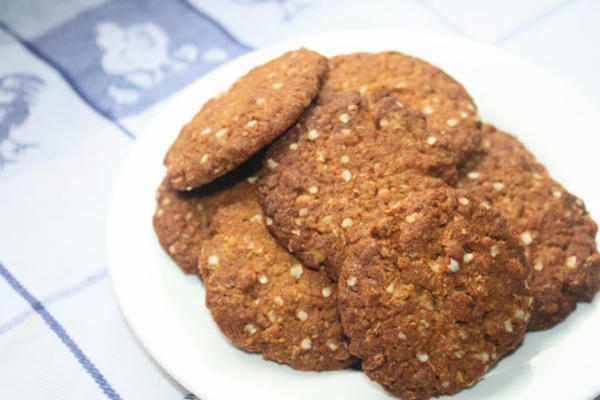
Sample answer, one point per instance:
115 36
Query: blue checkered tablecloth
79 81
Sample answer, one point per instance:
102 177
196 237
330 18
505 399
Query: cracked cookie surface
264 300
438 299
421 86
328 181
554 227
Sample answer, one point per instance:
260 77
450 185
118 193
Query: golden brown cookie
554 227
329 180
425 88
264 300
181 220
255 110
438 299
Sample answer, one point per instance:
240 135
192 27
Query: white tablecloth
80 79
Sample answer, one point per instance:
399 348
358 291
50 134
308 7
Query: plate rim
111 224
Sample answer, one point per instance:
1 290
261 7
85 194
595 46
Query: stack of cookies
355 209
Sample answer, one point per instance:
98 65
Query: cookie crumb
412 218
302 315
296 271
346 175
453 265
213 260
526 238
494 251
221 132
306 343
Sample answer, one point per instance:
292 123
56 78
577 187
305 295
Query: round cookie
328 181
264 300
554 227
423 87
438 299
255 110
181 220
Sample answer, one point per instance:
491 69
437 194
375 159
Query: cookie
255 110
554 227
264 300
182 219
418 84
438 299
327 182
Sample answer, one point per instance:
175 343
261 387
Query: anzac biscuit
418 84
264 300
554 227
182 219
438 299
327 182
255 110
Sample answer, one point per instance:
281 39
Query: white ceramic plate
165 308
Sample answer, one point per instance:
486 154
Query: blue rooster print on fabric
140 54
16 93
